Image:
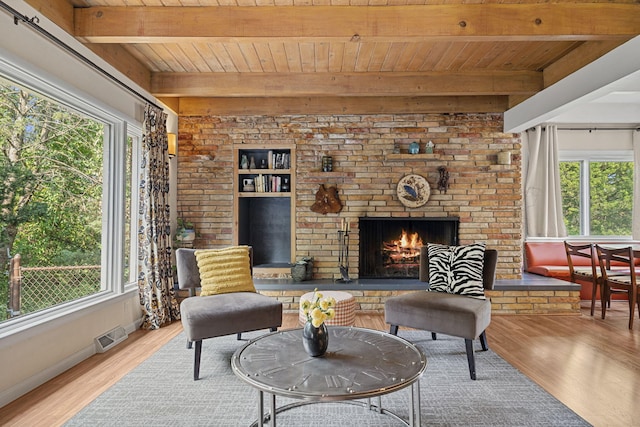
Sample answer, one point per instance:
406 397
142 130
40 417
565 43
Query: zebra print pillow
456 269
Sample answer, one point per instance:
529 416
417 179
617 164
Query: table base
414 413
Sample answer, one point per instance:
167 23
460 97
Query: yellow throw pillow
224 270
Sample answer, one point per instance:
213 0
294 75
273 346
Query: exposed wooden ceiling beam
342 105
124 62
577 58
61 13
345 84
479 22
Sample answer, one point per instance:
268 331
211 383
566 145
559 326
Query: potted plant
186 231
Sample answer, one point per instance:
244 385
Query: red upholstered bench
550 259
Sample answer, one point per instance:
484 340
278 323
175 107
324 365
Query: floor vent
110 339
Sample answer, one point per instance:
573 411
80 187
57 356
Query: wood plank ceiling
350 56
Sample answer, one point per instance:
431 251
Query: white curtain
543 200
635 228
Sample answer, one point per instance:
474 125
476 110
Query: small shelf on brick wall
333 174
408 156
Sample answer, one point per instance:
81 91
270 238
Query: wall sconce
504 157
172 140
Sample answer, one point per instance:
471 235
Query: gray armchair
223 314
448 314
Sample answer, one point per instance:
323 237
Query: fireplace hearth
390 247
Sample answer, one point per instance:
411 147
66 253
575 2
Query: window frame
135 133
585 158
117 128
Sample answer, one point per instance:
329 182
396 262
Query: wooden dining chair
584 273
625 283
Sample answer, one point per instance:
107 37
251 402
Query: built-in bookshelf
264 204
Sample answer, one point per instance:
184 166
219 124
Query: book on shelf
279 160
268 183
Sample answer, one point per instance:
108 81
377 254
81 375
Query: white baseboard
9 395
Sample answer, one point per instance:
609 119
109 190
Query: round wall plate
413 191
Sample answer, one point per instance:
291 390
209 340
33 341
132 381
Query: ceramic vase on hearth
299 271
315 340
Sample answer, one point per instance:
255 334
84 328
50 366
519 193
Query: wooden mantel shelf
407 156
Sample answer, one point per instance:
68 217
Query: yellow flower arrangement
318 309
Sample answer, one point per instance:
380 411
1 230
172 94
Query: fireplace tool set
343 256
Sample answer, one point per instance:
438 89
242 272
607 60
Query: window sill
34 324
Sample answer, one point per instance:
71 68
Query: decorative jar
414 148
315 340
299 271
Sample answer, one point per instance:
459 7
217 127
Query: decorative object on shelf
285 185
396 149
429 147
413 191
327 164
414 148
252 163
443 181
327 201
263 164
247 185
315 336
244 162
504 158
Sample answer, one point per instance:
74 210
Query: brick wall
557 302
486 197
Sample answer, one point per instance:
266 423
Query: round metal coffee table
359 364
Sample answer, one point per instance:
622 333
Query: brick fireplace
390 247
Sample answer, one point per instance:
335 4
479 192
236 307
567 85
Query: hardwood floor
591 365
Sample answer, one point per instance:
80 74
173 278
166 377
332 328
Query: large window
67 173
597 193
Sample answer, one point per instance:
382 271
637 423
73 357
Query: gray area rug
161 392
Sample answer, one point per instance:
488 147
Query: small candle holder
327 164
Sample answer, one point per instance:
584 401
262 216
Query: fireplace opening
390 247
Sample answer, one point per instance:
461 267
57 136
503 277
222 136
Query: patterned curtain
155 278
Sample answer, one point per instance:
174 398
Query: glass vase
315 340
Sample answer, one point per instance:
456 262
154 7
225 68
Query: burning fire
405 249
412 241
